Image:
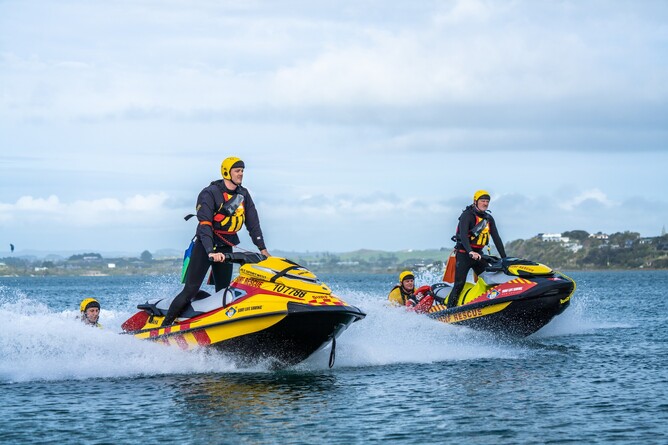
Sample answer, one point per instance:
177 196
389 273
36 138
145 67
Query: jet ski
275 311
513 296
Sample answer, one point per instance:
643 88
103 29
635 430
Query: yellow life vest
479 235
398 296
228 225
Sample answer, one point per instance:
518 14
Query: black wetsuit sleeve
466 222
496 237
205 209
253 221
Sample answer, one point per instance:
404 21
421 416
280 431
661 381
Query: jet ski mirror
232 205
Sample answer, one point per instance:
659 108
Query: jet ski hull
520 316
513 306
275 312
292 339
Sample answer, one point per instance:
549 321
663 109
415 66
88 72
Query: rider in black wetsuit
473 231
222 208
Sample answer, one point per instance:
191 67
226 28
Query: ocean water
598 373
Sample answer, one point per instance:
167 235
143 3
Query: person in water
404 291
475 227
405 294
90 312
223 207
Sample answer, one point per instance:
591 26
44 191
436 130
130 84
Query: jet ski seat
202 303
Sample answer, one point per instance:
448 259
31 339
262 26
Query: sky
364 124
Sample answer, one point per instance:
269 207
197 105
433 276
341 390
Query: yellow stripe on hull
242 327
472 313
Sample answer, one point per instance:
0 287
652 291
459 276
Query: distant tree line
582 250
621 250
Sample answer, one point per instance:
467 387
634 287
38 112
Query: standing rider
473 231
222 208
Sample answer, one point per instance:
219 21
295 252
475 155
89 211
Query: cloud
427 60
363 123
31 211
587 196
385 221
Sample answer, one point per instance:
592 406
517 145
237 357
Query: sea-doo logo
230 312
493 294
513 290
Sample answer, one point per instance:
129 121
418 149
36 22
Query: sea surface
598 373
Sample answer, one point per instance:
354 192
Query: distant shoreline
574 251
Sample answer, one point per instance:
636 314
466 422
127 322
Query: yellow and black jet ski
512 296
275 310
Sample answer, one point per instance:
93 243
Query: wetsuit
467 242
216 233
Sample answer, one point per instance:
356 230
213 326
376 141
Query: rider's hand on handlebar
475 255
216 257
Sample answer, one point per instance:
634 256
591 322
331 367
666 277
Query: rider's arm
253 223
205 209
496 238
466 221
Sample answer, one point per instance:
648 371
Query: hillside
622 250
569 250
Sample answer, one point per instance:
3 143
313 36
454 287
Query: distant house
599 235
553 237
111 265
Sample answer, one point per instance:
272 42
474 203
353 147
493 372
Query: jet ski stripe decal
181 341
202 337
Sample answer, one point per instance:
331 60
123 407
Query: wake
38 343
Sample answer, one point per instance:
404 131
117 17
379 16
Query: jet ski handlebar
244 257
494 263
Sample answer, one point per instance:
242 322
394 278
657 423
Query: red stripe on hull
202 338
181 341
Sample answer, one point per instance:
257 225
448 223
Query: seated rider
405 294
90 312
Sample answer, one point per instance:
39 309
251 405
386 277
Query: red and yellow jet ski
512 296
274 310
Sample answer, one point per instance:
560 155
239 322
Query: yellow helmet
480 194
228 164
87 303
406 274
